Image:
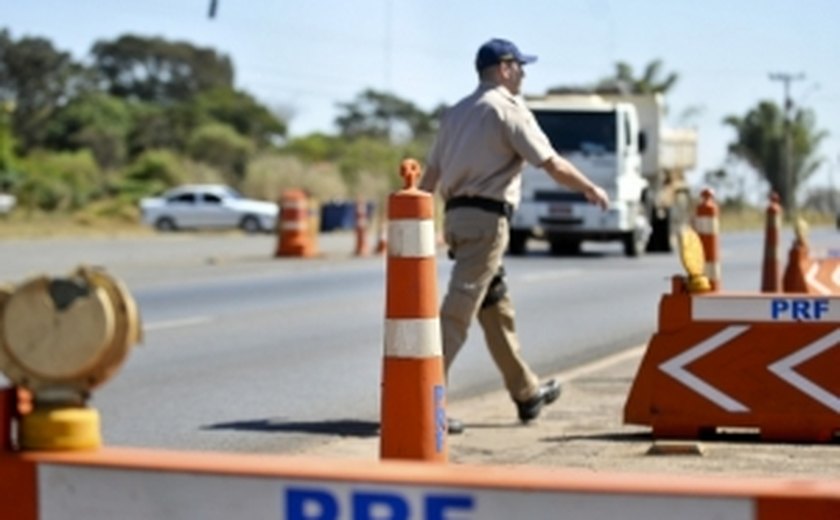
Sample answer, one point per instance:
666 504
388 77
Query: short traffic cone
707 225
413 422
382 241
770 274
361 248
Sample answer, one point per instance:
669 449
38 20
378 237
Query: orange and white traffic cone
413 413
770 273
707 225
294 237
361 228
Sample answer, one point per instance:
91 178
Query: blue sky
305 56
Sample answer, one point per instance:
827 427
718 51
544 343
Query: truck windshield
579 131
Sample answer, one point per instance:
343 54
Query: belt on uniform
504 209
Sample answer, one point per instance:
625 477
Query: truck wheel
518 243
564 246
666 224
660 232
634 243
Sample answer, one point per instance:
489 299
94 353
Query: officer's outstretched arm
567 174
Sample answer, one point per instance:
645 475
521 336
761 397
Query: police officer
476 163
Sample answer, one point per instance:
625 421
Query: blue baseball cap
498 50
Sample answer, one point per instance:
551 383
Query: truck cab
602 139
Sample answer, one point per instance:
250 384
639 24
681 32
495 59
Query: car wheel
165 224
250 224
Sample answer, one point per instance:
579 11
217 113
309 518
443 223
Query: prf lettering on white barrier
309 503
798 309
766 308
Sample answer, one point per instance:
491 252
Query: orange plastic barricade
117 483
770 274
413 422
765 362
294 237
707 225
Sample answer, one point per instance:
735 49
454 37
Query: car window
232 193
210 198
184 198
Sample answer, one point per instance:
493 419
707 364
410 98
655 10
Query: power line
787 181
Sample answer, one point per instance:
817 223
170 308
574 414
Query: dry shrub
269 175
201 173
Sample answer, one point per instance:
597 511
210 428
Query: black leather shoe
530 409
454 426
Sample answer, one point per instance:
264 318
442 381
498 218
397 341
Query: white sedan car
208 206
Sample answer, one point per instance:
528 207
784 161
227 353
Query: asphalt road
247 353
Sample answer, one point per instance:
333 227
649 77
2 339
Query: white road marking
174 324
601 363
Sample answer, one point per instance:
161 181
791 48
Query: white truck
621 143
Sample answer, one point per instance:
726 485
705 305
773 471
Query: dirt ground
584 429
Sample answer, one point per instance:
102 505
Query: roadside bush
59 181
221 147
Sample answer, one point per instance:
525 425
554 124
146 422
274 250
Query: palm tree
651 80
760 141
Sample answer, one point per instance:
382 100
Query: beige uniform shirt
481 148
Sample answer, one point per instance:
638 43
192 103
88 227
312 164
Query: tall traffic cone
770 274
799 261
708 227
361 248
293 233
413 422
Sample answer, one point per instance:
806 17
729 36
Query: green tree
159 126
37 79
95 121
760 141
154 69
384 116
7 167
240 111
315 147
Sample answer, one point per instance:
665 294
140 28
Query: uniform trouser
477 241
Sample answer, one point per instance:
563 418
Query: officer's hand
596 195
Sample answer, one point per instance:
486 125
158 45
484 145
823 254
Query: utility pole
786 153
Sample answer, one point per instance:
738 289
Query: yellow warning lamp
693 260
59 339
